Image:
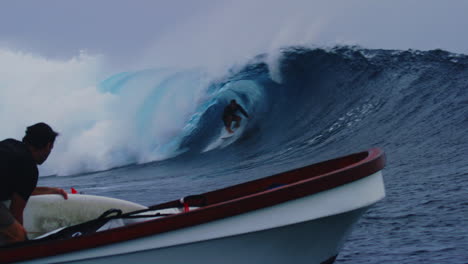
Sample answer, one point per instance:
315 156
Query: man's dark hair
39 135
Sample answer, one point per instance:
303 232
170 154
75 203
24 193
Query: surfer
229 115
19 176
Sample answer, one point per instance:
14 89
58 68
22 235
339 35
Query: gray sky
144 32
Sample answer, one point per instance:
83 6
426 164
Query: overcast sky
132 32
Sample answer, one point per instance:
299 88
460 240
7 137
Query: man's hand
62 192
50 190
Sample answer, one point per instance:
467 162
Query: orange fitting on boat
185 204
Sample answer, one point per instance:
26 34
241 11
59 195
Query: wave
308 100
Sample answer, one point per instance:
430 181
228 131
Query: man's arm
50 190
243 111
17 206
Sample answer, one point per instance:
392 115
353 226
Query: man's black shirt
18 170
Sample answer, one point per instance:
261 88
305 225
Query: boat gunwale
237 202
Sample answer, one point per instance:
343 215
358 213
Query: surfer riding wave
230 115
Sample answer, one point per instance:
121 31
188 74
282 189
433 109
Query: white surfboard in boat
44 213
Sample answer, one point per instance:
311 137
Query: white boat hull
310 229
311 242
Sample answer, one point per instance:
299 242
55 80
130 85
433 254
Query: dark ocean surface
315 105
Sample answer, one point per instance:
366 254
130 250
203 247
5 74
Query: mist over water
130 117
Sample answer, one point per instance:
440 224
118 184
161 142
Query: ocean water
310 105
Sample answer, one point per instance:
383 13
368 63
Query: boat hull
316 241
311 229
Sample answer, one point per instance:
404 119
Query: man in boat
19 176
230 114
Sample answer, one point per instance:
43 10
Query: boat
299 216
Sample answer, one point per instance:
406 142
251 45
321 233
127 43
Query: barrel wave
327 101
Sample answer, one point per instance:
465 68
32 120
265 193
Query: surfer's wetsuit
18 174
230 111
